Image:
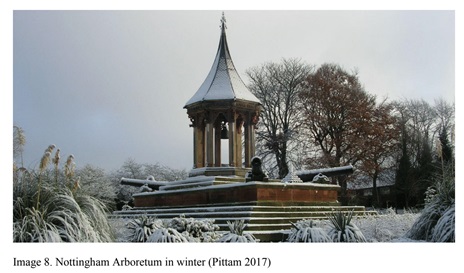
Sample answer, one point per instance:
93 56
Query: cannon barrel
140 182
308 175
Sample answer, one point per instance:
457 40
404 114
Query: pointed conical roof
223 81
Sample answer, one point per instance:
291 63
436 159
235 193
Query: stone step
267 220
245 212
151 210
264 222
259 227
270 236
245 215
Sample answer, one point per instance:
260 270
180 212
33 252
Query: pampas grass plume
69 167
44 161
56 159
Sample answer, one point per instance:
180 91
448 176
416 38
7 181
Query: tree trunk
375 194
342 183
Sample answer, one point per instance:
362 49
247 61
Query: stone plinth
239 193
219 171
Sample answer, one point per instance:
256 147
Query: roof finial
223 22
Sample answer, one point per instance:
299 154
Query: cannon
308 175
256 173
154 185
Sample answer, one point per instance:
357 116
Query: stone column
238 143
217 145
209 145
200 145
247 144
195 147
232 141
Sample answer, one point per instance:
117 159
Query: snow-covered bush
167 235
444 229
149 172
141 228
236 234
305 231
192 230
199 230
50 206
343 230
423 227
437 221
430 195
95 182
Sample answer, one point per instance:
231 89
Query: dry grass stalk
43 165
69 167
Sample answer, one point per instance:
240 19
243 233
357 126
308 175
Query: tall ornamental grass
50 207
437 220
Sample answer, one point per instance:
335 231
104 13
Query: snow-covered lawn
388 226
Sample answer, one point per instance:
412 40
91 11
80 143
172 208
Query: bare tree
422 127
277 86
164 173
132 169
338 115
445 114
382 142
95 182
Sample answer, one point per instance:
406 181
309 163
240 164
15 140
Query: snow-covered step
243 208
267 223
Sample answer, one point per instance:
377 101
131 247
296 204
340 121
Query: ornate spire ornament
291 176
223 22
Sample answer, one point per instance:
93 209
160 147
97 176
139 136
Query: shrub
437 221
167 235
192 230
202 230
95 182
444 229
343 230
236 234
141 228
305 231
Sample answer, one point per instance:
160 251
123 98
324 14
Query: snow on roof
223 81
385 178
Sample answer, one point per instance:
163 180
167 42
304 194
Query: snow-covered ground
388 226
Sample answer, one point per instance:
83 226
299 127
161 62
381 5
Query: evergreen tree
446 149
425 170
403 176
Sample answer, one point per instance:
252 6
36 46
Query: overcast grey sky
111 85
